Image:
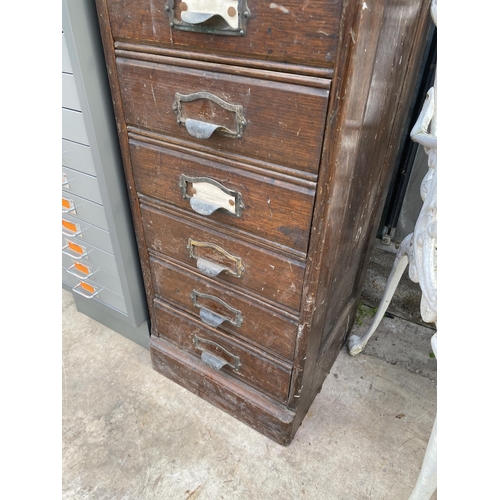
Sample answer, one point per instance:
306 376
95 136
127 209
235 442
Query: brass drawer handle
210 268
206 195
219 17
212 360
204 130
211 318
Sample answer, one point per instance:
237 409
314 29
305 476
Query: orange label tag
66 203
76 248
82 268
87 287
70 226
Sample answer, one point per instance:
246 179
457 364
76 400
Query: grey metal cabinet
100 264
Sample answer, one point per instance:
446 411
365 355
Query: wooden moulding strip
296 69
244 403
298 177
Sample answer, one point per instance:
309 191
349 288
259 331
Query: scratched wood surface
267 274
257 369
295 31
265 327
300 286
284 122
369 107
267 201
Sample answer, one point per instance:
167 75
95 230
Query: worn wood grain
188 61
283 69
284 122
267 201
239 400
295 32
301 141
366 114
265 327
267 274
258 369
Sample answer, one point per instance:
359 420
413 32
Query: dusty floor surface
130 433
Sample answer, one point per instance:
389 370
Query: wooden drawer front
261 205
73 126
103 295
246 318
284 122
77 157
266 273
84 210
297 31
83 185
254 367
86 233
87 271
87 253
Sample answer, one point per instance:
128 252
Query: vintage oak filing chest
258 141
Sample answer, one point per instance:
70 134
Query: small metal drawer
94 292
84 210
73 126
86 233
83 185
70 97
87 271
77 157
87 253
66 62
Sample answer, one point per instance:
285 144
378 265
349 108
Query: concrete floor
130 433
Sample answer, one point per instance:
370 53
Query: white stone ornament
418 251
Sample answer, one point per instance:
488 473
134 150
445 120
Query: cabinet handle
227 17
73 228
81 271
212 269
68 206
212 360
65 182
86 290
204 130
211 318
77 251
206 195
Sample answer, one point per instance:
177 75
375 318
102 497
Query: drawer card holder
213 269
213 361
217 17
76 251
206 195
81 271
204 130
68 206
212 318
72 229
86 290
